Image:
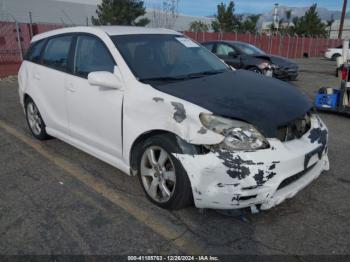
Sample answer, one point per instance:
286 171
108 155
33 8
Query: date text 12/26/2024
173 258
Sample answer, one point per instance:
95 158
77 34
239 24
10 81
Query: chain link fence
15 36
15 39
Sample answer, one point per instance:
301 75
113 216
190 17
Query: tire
335 56
293 78
172 174
35 122
255 70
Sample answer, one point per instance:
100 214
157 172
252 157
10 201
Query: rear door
228 54
95 113
50 77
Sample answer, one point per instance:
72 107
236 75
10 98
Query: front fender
146 109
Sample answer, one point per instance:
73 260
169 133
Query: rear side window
57 52
34 52
224 50
92 55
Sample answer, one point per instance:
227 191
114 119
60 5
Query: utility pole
19 40
275 17
341 27
30 25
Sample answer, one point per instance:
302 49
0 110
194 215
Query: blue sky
208 7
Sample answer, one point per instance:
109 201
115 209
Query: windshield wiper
183 77
163 78
204 73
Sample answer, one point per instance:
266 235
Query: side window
209 46
57 52
91 55
34 52
223 49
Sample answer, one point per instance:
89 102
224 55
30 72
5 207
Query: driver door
94 112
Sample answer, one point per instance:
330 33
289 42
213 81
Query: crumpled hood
282 61
265 102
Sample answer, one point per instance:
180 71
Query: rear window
57 52
34 51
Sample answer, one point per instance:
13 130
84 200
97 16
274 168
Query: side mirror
104 79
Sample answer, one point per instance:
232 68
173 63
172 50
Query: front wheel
162 177
35 122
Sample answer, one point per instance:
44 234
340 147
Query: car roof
110 30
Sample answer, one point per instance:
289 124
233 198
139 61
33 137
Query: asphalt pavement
57 200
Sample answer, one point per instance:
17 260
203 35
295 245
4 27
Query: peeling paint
237 167
180 112
273 166
319 135
197 191
158 99
202 131
259 177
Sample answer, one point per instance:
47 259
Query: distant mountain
324 13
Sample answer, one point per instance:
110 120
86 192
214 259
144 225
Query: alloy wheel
158 174
34 118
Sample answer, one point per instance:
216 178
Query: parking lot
55 199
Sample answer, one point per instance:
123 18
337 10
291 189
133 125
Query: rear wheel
293 78
162 177
35 122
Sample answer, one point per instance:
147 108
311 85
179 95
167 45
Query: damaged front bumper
231 180
286 73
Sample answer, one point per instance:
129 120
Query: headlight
264 65
238 135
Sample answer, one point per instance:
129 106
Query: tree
166 15
225 19
249 24
120 12
329 24
310 24
198 26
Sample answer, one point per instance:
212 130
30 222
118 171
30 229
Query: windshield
249 49
166 57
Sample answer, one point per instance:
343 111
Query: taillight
344 73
